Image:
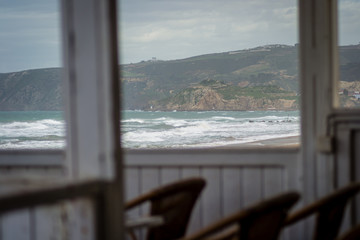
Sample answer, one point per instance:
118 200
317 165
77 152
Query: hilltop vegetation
252 79
155 80
39 89
216 95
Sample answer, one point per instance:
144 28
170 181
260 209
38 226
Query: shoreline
282 142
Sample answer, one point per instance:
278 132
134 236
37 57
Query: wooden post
92 102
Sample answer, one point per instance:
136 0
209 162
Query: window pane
30 82
209 73
349 53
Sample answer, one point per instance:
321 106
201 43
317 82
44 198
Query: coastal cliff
215 95
262 78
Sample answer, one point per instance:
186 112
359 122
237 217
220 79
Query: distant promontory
261 78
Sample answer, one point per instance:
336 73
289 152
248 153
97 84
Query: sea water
32 130
205 129
142 130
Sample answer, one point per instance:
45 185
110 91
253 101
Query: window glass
209 73
30 81
349 53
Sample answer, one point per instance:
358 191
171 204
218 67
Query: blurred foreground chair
174 203
329 212
263 220
352 234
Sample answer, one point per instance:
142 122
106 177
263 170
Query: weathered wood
253 185
20 219
212 195
168 175
50 223
232 190
198 157
32 198
92 105
32 158
195 220
273 181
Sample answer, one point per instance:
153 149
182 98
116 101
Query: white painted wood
195 223
49 223
196 157
273 181
17 226
318 74
132 190
232 182
169 175
47 158
149 173
212 196
221 177
89 69
343 158
80 220
252 184
92 104
150 179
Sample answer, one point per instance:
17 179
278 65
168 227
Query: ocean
154 130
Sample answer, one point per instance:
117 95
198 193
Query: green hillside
215 95
269 65
253 73
38 89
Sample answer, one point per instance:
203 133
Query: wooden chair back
329 212
263 220
174 202
352 234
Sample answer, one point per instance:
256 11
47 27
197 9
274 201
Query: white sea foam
134 121
162 129
223 118
176 122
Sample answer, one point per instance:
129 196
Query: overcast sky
165 29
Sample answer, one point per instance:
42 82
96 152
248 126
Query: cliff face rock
194 99
207 98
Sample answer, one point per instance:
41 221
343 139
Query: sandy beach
285 142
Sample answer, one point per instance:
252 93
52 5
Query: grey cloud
203 26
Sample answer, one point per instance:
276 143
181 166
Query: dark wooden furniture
329 212
352 234
174 203
263 220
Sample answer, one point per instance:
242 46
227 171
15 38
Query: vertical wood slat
252 185
49 223
16 225
212 196
273 181
132 190
228 188
79 219
232 190
150 179
342 166
169 175
133 178
195 220
343 157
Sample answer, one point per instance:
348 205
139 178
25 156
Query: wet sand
285 142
